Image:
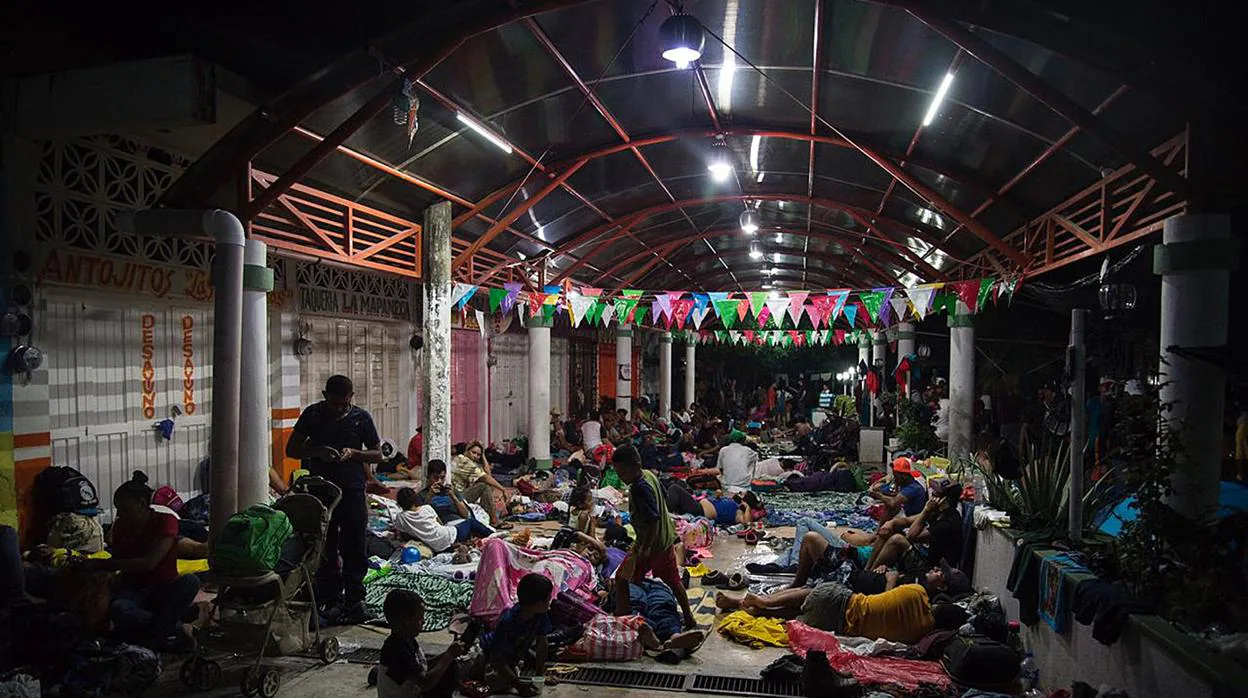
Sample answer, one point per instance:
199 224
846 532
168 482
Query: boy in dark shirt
404 671
655 549
934 534
521 628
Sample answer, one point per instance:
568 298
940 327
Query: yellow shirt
902 614
464 472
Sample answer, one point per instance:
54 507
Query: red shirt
414 448
134 540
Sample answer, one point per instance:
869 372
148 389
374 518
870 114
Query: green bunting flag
985 291
872 300
727 311
757 299
496 298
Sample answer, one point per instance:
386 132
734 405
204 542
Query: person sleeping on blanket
722 509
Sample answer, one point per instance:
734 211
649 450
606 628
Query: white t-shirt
736 464
942 420
422 524
591 435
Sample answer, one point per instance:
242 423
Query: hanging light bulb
749 221
720 165
755 253
681 39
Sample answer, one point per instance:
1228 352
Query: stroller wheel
270 682
251 681
187 673
207 675
329 650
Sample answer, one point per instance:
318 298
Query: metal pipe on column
539 389
1195 260
436 353
1076 356
624 368
961 381
691 356
665 376
254 431
227 333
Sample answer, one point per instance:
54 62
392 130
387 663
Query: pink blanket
907 673
503 565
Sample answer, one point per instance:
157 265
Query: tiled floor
305 677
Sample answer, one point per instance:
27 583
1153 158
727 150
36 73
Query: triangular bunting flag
496 298
608 312
839 336
838 306
900 305
721 335
968 293
885 307
700 301
985 291
796 301
480 321
872 300
763 316
578 306
663 304
757 298
591 291
820 310
778 307
513 292
699 316
921 298
1007 287
725 309
851 314
716 296
462 294
743 310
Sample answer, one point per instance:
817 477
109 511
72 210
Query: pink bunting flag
968 292
763 314
797 299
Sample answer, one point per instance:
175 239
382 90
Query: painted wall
1135 663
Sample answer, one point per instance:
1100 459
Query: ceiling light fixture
940 97
681 40
720 165
760 177
754 143
749 221
755 253
485 132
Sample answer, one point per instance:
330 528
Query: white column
864 354
879 359
691 358
905 347
624 368
254 452
961 382
665 376
435 397
539 389
1195 260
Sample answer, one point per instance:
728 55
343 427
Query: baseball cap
945 487
904 466
555 412
736 436
955 578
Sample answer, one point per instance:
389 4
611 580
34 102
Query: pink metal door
466 361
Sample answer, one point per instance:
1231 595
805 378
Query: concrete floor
308 678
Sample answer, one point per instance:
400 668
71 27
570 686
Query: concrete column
691 357
665 376
879 359
864 353
435 413
1194 261
905 347
539 389
624 368
961 382
254 453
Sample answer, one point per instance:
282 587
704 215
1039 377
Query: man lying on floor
901 614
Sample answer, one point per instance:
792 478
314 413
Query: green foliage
914 430
1040 499
1191 569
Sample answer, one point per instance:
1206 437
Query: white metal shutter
95 355
369 354
560 368
509 387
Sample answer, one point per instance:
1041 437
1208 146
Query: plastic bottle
981 488
1013 637
1034 693
1029 672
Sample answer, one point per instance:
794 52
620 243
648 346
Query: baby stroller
270 614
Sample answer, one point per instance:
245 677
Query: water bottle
1029 673
1013 638
1034 693
981 488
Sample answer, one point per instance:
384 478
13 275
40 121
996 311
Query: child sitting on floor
521 628
404 671
581 511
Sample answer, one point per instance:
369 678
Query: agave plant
1040 499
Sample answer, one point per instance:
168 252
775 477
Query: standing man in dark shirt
338 441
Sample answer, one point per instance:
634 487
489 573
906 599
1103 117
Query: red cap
903 465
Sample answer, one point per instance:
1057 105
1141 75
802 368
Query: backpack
251 542
60 489
103 668
978 662
196 509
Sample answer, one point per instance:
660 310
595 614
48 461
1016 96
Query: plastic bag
609 639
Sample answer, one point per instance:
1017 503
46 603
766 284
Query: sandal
714 578
736 582
475 689
504 526
751 538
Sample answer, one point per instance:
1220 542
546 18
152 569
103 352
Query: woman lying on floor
723 510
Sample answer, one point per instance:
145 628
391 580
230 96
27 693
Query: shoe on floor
355 614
